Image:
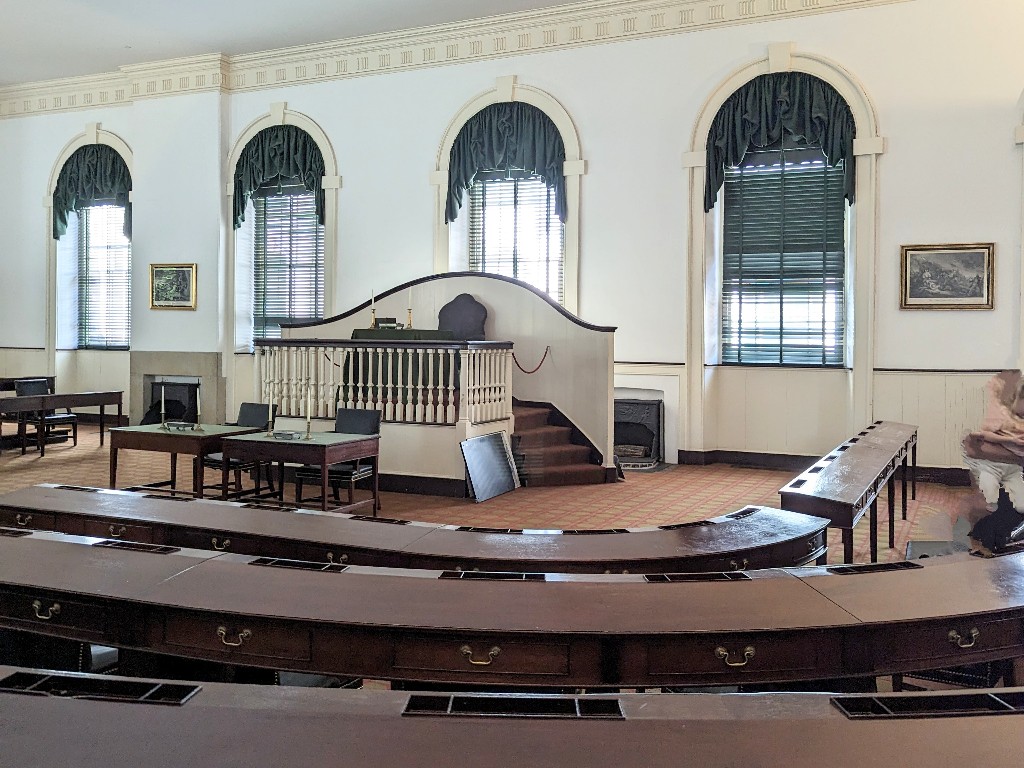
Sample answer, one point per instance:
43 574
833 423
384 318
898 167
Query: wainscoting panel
944 405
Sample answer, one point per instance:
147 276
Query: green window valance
95 174
511 137
757 115
274 156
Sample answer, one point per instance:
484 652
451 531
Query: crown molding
564 26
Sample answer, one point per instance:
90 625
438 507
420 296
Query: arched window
93 223
279 179
509 159
782 148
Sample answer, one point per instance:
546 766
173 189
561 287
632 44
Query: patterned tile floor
675 494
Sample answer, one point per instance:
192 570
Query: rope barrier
545 357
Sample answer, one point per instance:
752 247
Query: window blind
515 231
784 259
104 279
288 259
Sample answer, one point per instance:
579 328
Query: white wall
945 80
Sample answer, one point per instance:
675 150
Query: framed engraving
946 276
172 286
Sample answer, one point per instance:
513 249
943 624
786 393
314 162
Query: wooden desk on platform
263 726
845 483
323 448
550 630
153 437
42 403
753 537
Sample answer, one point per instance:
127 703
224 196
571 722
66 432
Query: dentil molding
566 26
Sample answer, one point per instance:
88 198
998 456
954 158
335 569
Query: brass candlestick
373 317
408 318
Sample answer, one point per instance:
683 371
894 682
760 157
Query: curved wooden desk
257 726
561 630
754 537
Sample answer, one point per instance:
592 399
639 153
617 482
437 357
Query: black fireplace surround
639 433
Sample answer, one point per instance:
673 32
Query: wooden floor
669 495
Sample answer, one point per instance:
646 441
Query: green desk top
206 429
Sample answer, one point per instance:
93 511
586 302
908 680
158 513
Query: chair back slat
31 387
357 421
254 415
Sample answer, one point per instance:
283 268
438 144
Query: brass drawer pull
491 656
52 611
22 520
343 558
116 533
737 566
812 544
748 654
220 547
961 641
222 633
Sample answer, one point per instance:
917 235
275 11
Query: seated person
994 454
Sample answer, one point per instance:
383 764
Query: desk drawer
216 540
39 521
764 655
105 529
954 641
237 636
46 611
480 655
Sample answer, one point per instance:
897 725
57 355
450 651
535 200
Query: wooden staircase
545 453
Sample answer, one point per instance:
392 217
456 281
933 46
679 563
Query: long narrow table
156 437
261 726
323 448
40 404
750 538
845 483
550 630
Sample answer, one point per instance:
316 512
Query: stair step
569 474
547 435
554 455
530 418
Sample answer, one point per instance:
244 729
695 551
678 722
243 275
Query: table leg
903 481
913 470
224 472
873 514
280 480
847 545
103 409
256 469
198 475
174 470
891 488
323 483
113 465
376 485
41 434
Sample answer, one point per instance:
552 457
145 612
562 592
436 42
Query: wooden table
42 403
548 630
845 483
323 448
154 437
267 726
750 538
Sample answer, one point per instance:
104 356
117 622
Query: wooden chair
249 415
351 421
45 420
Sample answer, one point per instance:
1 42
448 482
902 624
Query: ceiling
47 39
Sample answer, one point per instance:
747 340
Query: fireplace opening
178 395
639 433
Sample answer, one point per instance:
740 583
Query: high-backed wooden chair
351 421
249 415
46 420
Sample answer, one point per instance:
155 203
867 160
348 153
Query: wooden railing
419 382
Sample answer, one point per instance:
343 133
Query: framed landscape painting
946 276
172 286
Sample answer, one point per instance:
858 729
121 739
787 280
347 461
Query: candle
309 406
199 402
270 412
163 408
410 298
371 298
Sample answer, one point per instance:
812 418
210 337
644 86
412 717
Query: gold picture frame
172 286
947 276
